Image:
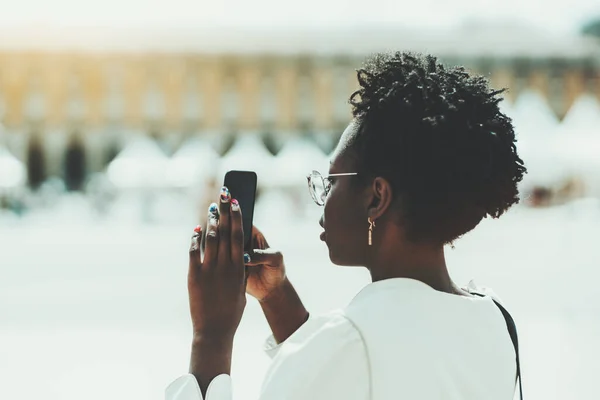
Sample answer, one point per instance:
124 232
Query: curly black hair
437 135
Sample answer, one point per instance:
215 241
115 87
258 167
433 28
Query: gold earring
371 226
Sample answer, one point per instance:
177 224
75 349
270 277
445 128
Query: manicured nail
225 195
213 209
246 258
198 229
235 205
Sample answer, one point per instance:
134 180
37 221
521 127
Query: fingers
224 252
237 234
258 239
265 256
203 237
195 245
211 239
195 257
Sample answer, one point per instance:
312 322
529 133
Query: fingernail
198 229
225 195
213 209
235 205
246 258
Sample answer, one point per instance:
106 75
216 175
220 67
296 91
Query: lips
322 225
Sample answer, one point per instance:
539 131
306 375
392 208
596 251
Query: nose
321 222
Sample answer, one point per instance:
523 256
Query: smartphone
242 186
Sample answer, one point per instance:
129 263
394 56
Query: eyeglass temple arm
342 174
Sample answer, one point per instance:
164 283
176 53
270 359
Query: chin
344 259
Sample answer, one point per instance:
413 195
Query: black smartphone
242 186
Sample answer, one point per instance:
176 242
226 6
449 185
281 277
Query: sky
560 16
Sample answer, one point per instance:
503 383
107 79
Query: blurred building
90 94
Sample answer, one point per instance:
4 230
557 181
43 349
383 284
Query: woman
426 157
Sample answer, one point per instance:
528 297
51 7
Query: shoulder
391 314
407 328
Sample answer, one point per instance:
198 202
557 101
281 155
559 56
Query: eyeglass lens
317 186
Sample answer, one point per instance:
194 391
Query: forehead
341 161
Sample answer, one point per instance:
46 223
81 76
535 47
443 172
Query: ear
381 198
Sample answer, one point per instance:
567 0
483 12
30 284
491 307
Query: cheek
342 212
346 234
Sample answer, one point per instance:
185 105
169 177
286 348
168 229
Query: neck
422 262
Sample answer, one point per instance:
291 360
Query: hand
216 282
266 270
267 282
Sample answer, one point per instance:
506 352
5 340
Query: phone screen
242 186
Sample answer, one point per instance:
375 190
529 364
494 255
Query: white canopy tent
193 164
583 116
578 142
248 153
13 172
298 157
535 128
275 207
532 115
140 165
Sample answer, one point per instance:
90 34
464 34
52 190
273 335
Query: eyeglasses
319 186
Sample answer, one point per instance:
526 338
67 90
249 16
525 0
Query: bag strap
512 331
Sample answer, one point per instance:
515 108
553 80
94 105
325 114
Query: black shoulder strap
512 331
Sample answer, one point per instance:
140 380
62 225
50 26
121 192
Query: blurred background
118 120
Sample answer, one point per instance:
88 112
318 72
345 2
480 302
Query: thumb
265 256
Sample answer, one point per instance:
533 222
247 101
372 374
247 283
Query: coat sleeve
328 363
186 388
318 363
